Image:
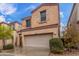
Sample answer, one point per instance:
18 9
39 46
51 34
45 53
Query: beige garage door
38 40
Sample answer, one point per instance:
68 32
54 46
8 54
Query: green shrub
56 45
9 46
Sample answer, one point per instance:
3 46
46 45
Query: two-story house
43 25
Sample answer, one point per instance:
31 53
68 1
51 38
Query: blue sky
65 10
17 11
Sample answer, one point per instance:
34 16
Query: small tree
71 37
5 33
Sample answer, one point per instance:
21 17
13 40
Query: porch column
14 37
18 38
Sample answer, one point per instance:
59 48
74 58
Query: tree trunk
3 43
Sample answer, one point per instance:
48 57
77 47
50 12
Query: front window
28 23
43 15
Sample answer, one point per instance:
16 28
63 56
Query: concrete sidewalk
30 51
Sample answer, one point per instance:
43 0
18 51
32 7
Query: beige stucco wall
15 38
23 24
17 26
54 32
1 44
51 14
77 8
75 17
9 41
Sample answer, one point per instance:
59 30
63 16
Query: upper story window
43 15
28 23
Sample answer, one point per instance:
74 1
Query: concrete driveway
30 51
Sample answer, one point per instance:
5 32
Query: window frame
29 25
43 18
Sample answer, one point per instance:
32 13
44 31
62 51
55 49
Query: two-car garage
41 40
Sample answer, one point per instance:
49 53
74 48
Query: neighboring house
39 28
74 17
6 41
4 24
15 26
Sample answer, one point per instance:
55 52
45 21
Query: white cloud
8 22
31 7
2 18
61 14
7 9
62 27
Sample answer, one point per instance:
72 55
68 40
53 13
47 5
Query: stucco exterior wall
77 8
54 32
23 24
1 44
9 41
52 16
75 17
17 26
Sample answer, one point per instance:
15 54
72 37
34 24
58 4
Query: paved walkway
28 52
35 52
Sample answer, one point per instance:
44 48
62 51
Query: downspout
58 21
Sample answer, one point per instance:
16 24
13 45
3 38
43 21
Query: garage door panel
38 40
